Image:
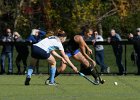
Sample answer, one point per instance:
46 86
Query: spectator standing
118 50
23 52
36 36
136 41
99 52
7 51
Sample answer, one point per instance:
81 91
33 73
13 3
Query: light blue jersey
50 43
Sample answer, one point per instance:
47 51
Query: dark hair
49 33
87 29
60 33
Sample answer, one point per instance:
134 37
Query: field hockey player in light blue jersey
45 49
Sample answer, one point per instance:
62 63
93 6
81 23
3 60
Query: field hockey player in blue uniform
76 48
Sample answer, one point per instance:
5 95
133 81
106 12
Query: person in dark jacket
7 51
35 37
23 52
118 50
136 41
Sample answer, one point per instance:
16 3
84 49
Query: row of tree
71 15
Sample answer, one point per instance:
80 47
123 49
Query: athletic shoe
96 81
47 82
52 84
27 81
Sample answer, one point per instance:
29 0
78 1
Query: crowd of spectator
22 50
36 35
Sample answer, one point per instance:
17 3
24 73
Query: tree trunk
100 28
46 9
18 13
99 25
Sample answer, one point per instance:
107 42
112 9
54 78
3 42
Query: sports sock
30 71
52 74
92 72
56 74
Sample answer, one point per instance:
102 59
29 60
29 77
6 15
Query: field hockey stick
100 79
83 75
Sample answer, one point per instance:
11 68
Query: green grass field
71 87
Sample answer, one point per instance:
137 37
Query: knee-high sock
52 74
30 71
56 74
92 72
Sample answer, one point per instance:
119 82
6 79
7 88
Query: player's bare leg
79 57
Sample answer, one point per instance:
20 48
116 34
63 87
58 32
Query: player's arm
68 60
58 56
84 43
42 33
82 46
88 49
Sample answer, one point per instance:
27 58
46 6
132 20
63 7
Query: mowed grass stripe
69 88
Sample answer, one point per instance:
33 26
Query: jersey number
52 37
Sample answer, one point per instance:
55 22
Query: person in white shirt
99 52
45 49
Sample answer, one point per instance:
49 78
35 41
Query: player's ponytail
60 33
50 33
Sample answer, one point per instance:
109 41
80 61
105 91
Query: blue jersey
38 38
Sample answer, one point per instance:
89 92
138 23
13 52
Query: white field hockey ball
115 83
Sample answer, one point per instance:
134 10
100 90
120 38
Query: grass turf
69 88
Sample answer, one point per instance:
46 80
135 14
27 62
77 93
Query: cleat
47 82
27 81
52 84
96 81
